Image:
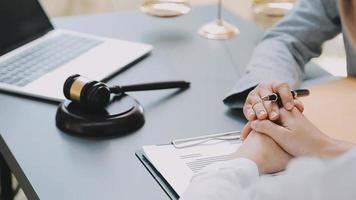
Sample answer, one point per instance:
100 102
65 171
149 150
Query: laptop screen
21 21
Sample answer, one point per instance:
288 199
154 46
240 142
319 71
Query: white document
178 165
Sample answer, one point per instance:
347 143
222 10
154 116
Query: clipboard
179 144
157 176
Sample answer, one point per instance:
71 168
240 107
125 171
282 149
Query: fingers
256 108
270 106
245 131
299 105
273 110
254 104
276 132
249 112
260 110
285 114
284 92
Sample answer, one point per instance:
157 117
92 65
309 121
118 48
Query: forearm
334 148
287 47
266 65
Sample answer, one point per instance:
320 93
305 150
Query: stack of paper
178 165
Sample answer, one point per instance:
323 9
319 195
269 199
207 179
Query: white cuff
242 166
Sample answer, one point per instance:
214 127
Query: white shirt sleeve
223 181
305 178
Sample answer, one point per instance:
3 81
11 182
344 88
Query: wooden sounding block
332 108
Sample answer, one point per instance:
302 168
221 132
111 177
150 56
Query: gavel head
89 93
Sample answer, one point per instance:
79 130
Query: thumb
245 131
299 105
286 117
278 133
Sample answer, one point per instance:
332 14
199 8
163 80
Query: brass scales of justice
218 29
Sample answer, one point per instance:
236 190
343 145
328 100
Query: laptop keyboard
44 57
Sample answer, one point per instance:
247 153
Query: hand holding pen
275 97
256 108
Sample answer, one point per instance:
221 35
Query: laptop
36 58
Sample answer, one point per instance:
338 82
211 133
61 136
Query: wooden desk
332 107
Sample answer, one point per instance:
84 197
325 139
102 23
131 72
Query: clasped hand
275 135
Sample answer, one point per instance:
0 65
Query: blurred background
75 7
333 57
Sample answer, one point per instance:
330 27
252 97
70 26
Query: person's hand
299 137
268 156
255 108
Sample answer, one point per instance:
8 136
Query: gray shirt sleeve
288 46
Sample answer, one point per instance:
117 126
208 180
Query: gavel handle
150 86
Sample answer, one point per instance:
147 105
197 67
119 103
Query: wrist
333 148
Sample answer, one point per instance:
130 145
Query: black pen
295 93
